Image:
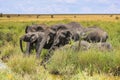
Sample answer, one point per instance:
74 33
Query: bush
98 62
63 62
116 17
22 65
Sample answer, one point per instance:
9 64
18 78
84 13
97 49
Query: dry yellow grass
62 17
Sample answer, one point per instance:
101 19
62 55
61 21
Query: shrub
1 15
22 65
116 17
8 16
63 62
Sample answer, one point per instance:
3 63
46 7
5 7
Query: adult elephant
38 40
61 39
32 33
95 34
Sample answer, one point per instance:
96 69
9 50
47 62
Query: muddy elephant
95 34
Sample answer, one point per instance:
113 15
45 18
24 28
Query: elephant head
28 37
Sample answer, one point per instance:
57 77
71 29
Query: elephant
32 38
95 34
85 45
42 29
61 39
104 46
38 40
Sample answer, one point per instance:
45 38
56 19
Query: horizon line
64 14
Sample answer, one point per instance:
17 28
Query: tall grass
68 63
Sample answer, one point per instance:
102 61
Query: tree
52 16
1 15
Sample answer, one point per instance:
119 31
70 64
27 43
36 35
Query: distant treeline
53 15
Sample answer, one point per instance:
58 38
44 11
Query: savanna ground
65 64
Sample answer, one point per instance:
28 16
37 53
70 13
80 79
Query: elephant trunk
21 47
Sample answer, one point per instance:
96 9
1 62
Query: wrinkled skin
95 34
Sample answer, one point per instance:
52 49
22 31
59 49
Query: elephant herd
52 37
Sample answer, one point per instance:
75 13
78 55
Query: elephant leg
41 44
50 51
37 50
46 58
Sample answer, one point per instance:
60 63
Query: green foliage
22 65
63 62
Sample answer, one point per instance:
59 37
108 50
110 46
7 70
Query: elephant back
35 28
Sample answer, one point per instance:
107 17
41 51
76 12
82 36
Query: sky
60 6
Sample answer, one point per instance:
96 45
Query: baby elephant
84 45
104 46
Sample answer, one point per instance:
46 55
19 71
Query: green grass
70 64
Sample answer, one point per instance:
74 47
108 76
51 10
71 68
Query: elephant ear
26 29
